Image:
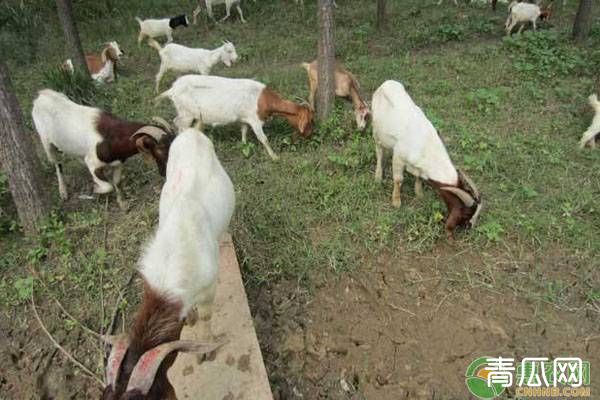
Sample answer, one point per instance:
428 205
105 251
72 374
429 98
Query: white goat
101 139
196 204
185 59
228 5
153 28
218 101
522 13
593 132
400 125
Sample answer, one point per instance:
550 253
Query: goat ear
144 372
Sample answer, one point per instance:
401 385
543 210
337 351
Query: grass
511 111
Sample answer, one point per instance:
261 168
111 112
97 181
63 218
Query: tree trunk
326 88
381 15
583 20
19 161
65 14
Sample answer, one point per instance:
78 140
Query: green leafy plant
448 33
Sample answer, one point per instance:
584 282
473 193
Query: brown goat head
152 141
137 365
464 203
304 120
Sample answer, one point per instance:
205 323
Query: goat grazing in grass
217 101
522 13
100 138
400 125
346 86
228 5
592 134
179 268
184 59
103 66
153 28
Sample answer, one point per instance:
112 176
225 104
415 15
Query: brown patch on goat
458 213
118 146
158 321
299 116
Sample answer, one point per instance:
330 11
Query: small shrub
449 33
77 86
544 54
485 100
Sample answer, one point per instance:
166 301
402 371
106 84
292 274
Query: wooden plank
238 371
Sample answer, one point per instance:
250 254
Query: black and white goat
153 28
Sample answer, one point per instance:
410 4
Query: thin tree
381 14
65 14
19 161
583 20
326 88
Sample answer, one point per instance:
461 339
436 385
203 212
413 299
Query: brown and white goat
400 125
103 66
346 86
179 268
213 100
99 138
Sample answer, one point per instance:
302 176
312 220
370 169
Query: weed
544 54
77 86
448 33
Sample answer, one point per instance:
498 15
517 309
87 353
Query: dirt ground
401 330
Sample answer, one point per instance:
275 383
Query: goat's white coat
228 5
71 128
589 135
196 204
215 101
400 125
522 13
154 28
185 59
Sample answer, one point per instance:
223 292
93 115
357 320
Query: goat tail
593 100
139 20
154 44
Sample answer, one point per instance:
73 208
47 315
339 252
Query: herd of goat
180 264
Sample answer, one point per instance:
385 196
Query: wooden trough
238 371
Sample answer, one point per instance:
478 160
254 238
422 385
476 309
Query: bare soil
402 329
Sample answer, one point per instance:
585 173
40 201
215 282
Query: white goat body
521 13
196 205
592 133
74 132
403 127
185 59
228 5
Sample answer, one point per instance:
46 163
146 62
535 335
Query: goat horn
153 131
465 197
469 183
120 344
163 122
475 216
145 370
